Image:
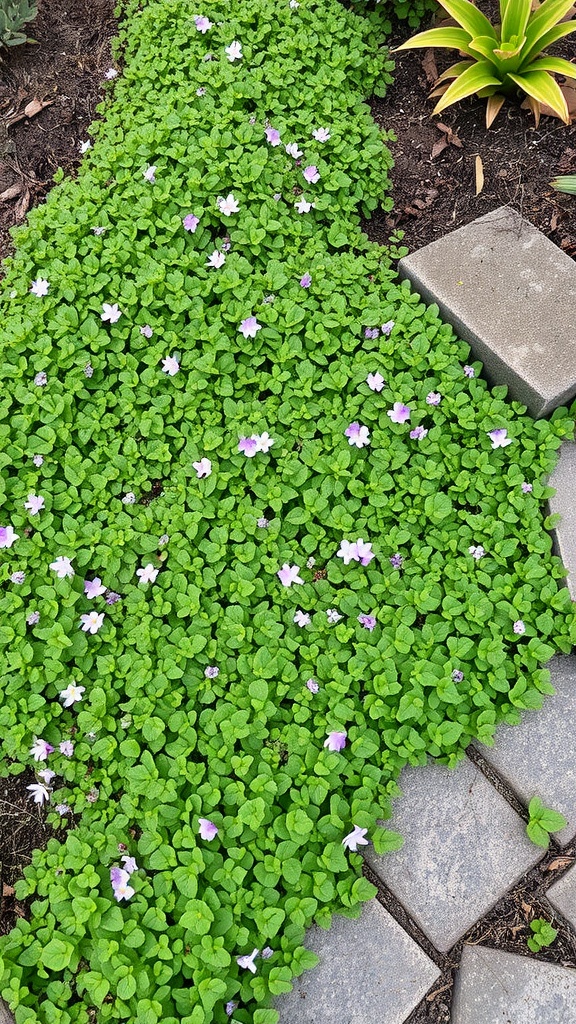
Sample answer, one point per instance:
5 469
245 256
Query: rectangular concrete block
511 294
564 504
538 757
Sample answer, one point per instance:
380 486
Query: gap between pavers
370 972
511 294
464 848
538 756
493 987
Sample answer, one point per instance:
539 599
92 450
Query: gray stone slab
511 294
370 972
564 503
464 848
538 757
562 896
5 1015
493 987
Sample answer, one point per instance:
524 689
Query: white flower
263 442
129 498
203 468
248 961
321 134
234 51
98 230
170 365
47 775
111 313
303 206
91 622
71 694
216 259
40 749
228 206
150 174
111 73
293 151
39 792
333 616
62 567
148 574
39 287
34 504
301 618
294 4
85 146
355 838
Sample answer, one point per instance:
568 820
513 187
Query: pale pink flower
39 792
365 553
148 574
519 627
311 174
293 151
110 313
355 839
150 174
47 775
250 327
399 413
303 206
273 136
203 468
348 552
203 24
111 73
91 622
147 331
228 206
40 287
264 442
62 567
71 694
387 327
375 381
336 741
301 618
499 438
234 51
40 749
120 887
321 134
7 536
333 616
170 365
93 588
190 222
66 747
207 829
248 961
130 865
288 575
34 504
216 259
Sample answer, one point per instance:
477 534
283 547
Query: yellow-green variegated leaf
548 15
469 82
543 42
515 18
565 183
542 87
556 65
451 38
455 69
486 46
467 15
507 51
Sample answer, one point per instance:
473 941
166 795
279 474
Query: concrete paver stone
5 1014
564 480
511 294
562 896
370 972
493 987
464 848
538 757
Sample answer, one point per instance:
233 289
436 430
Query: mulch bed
65 70
433 190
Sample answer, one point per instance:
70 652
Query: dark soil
22 830
65 69
434 194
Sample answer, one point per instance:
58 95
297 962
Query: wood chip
559 862
22 207
479 172
35 106
429 66
526 908
11 193
7 890
450 134
438 148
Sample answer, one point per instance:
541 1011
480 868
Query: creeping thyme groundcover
265 536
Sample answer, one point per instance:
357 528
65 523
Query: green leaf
469 82
57 954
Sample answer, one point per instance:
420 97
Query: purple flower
418 433
94 588
273 136
202 24
266 953
375 381
230 1007
147 331
306 281
457 676
499 438
120 887
368 621
207 829
33 618
130 865
211 672
396 561
311 174
7 536
519 627
387 327
357 435
477 551
336 741
18 577
112 598
312 685
301 618
40 379
248 961
190 222
433 398
355 839
38 460
248 446
399 413
66 747
250 327
526 488
288 575
262 523
469 371
88 370
365 553
40 749
371 332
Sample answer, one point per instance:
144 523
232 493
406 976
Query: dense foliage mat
264 537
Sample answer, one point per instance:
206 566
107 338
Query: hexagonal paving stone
370 972
464 848
493 987
538 757
562 896
563 503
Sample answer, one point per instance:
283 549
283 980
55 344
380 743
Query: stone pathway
465 844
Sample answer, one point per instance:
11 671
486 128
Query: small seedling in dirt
542 820
543 934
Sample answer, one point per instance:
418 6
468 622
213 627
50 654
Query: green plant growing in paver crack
14 15
542 821
543 934
501 60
